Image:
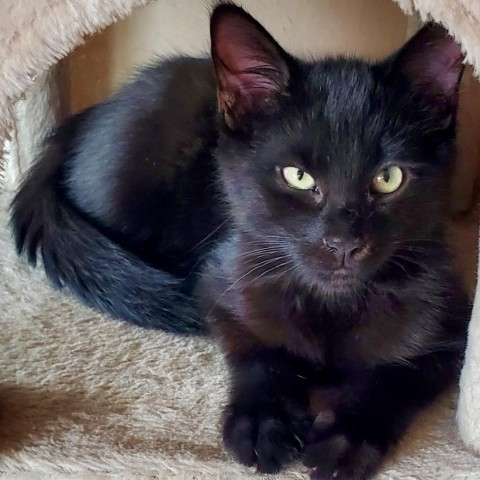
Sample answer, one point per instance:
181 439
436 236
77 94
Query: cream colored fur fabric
86 397
35 34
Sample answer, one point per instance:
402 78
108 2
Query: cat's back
136 137
140 164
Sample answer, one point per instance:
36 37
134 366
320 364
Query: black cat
297 208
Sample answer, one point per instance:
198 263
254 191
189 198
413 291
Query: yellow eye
298 178
388 180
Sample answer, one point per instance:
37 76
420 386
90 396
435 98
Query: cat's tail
76 255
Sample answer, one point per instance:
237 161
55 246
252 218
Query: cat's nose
346 252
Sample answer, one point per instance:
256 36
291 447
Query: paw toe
239 438
275 446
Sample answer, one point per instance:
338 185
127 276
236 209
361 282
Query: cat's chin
336 283
341 287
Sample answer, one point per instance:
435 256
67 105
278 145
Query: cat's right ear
433 63
251 68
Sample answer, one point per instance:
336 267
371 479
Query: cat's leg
267 419
350 443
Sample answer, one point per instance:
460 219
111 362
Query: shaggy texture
469 401
86 396
35 34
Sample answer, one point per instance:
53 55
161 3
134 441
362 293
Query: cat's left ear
433 63
250 67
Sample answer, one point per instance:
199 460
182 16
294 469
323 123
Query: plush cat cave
86 396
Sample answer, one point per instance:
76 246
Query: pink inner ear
248 83
249 66
243 93
445 68
433 61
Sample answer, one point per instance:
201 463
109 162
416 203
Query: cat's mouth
330 274
342 272
343 278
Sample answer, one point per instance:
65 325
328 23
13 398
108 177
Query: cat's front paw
335 452
267 436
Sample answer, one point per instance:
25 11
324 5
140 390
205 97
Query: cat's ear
250 67
433 63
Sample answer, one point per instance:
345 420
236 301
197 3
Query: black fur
337 306
112 191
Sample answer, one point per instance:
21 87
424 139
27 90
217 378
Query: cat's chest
376 329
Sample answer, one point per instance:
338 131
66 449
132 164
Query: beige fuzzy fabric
35 34
82 396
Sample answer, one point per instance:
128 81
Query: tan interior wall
465 183
369 28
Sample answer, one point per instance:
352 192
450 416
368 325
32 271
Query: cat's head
337 168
